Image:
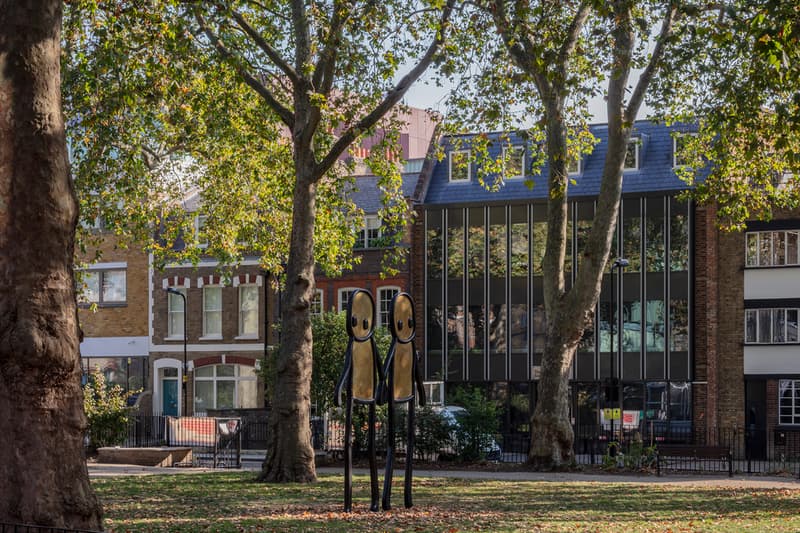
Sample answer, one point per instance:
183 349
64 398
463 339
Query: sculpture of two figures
366 381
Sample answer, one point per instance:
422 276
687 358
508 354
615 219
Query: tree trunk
290 455
43 475
551 431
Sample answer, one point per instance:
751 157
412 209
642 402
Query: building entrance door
169 388
756 418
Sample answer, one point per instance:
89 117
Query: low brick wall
164 456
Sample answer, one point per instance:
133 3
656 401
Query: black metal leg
348 453
373 463
409 456
387 478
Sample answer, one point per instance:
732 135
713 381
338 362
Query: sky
426 95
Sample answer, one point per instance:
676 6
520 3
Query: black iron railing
754 450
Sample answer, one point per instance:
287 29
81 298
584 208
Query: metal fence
215 442
754 450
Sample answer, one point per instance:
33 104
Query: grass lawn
233 502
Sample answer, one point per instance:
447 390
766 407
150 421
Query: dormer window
513 162
370 234
632 154
200 239
575 166
459 166
678 149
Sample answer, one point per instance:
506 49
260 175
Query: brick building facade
227 319
113 310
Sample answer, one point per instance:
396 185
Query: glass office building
484 311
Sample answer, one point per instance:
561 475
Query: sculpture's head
402 322
360 315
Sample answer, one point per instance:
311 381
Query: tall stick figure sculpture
403 372
360 378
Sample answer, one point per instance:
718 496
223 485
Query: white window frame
319 298
384 321
100 272
173 335
792 410
637 142
242 333
675 149
775 337
760 236
236 378
343 304
199 224
579 166
508 153
370 223
468 166
430 387
206 334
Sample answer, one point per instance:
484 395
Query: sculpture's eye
353 321
366 324
399 325
411 323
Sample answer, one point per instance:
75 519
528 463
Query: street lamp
620 263
185 378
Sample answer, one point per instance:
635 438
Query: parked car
489 447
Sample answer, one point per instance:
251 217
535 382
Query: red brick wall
705 327
730 330
719 323
417 276
194 304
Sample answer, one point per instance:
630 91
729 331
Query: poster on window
630 419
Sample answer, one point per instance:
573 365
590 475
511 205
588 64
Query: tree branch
283 112
571 42
302 45
272 54
644 80
621 65
392 97
323 72
520 46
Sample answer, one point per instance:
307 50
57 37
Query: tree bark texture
43 475
551 445
290 455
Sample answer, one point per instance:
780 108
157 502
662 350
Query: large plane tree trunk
43 475
553 434
290 455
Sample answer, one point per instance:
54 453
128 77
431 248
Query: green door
170 402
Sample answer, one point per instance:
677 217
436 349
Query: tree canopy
272 92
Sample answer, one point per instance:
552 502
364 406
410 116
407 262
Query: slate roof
655 172
367 195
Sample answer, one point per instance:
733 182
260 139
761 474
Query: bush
477 425
361 429
433 433
106 410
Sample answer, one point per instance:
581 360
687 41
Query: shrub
361 429
433 433
106 410
477 425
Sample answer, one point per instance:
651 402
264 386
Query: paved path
763 482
